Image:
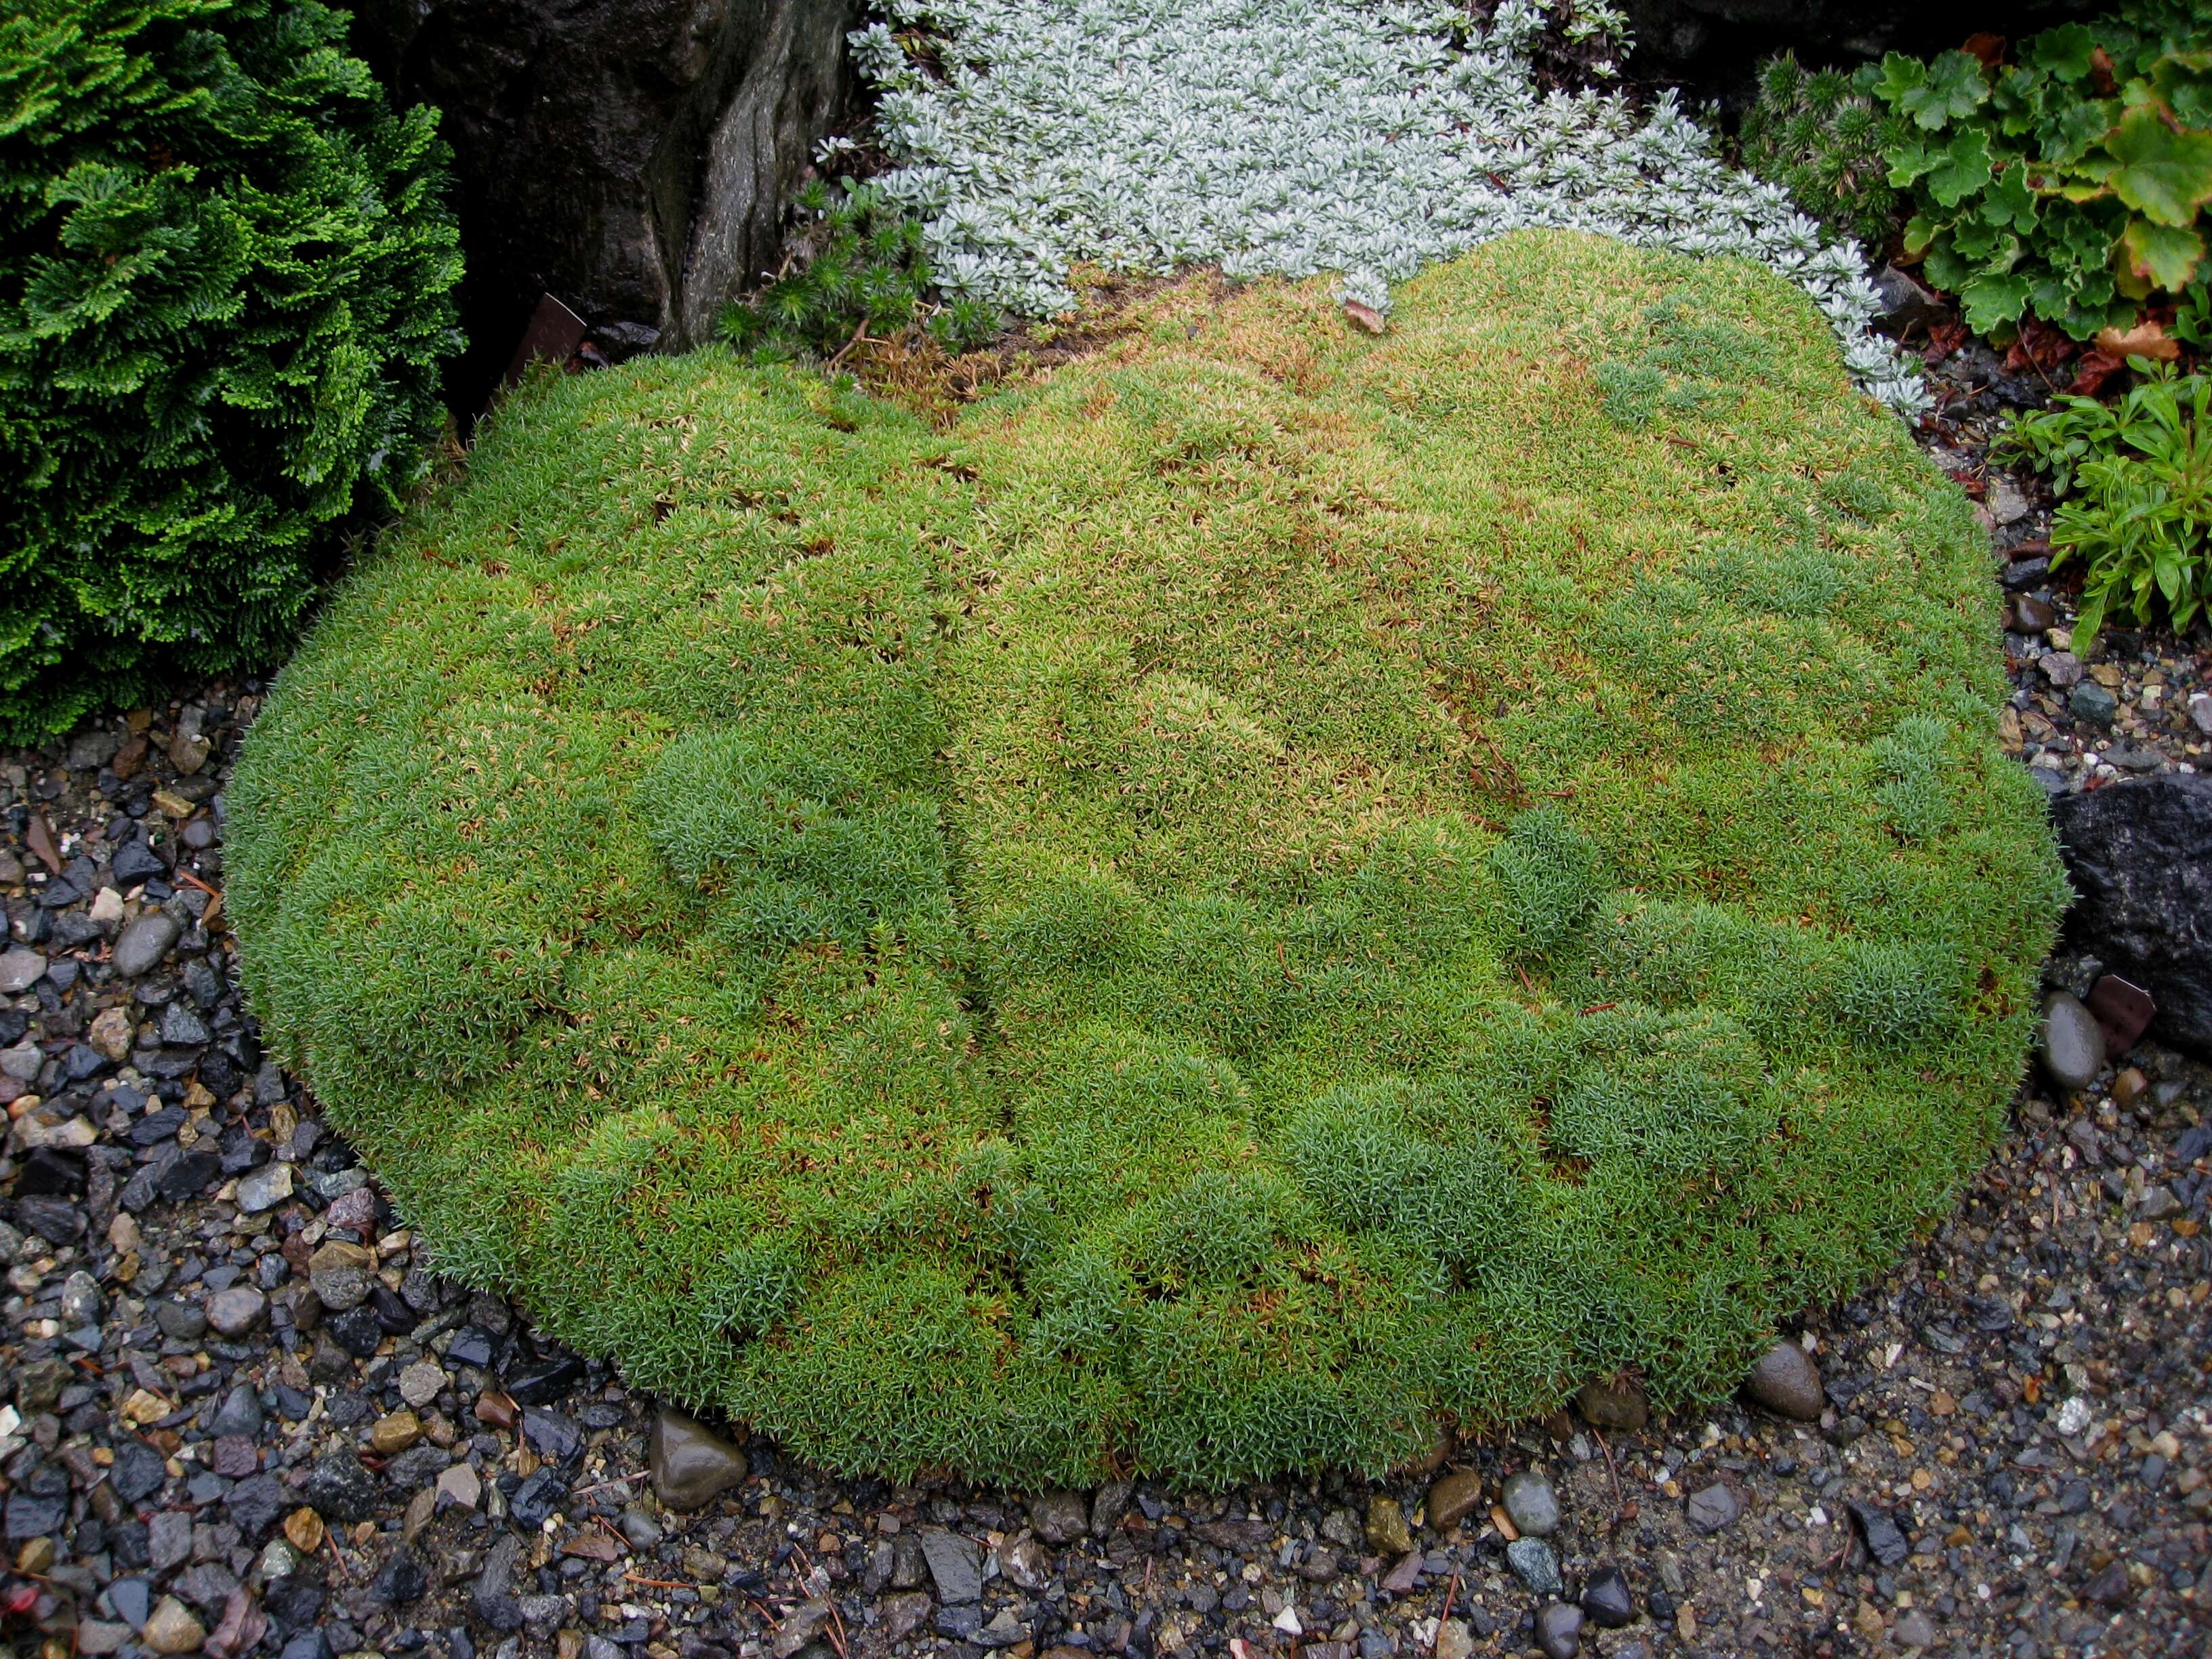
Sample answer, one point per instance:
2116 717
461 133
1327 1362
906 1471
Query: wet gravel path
247 1416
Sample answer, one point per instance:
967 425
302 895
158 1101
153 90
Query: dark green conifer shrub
1270 888
225 270
1822 135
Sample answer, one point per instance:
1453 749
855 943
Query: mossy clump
1268 890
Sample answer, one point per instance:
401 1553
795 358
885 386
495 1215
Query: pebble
692 1465
421 1382
1387 1531
142 942
1608 1600
1532 1504
1559 1630
1787 1383
171 1628
1713 1508
395 1433
265 1188
20 968
1061 1516
1534 1565
2062 668
460 1484
339 1273
1453 1498
2073 1044
955 1564
1617 1403
2091 701
235 1311
1885 1540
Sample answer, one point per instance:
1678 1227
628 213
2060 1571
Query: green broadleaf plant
2072 183
2137 476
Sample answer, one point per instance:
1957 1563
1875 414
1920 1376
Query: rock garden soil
246 1416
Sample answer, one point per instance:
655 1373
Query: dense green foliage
2136 477
2072 183
1824 137
224 277
862 271
1270 888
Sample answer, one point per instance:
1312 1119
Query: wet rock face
1715 43
630 157
2136 852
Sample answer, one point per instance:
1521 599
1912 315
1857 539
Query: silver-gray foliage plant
1287 137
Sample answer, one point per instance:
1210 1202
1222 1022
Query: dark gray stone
254 1504
1608 1600
1059 1517
956 1564
339 1489
538 1497
2136 852
1885 1541
490 1597
553 1436
2090 702
31 1517
1713 1508
138 1471
1559 1630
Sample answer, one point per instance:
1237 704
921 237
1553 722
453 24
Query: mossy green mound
1274 889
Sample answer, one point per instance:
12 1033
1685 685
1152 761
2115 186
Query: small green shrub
1824 137
1271 888
225 270
2072 183
863 271
2137 480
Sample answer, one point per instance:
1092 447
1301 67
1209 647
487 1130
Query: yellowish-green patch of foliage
1266 891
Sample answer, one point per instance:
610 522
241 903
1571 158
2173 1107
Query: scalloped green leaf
1952 88
2159 172
1991 300
2167 255
2066 51
1962 167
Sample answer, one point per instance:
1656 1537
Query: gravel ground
248 1417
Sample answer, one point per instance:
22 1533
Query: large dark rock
630 157
2138 853
1715 45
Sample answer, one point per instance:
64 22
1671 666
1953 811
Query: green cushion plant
226 270
1272 890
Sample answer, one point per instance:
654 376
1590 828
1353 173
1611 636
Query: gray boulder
630 157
